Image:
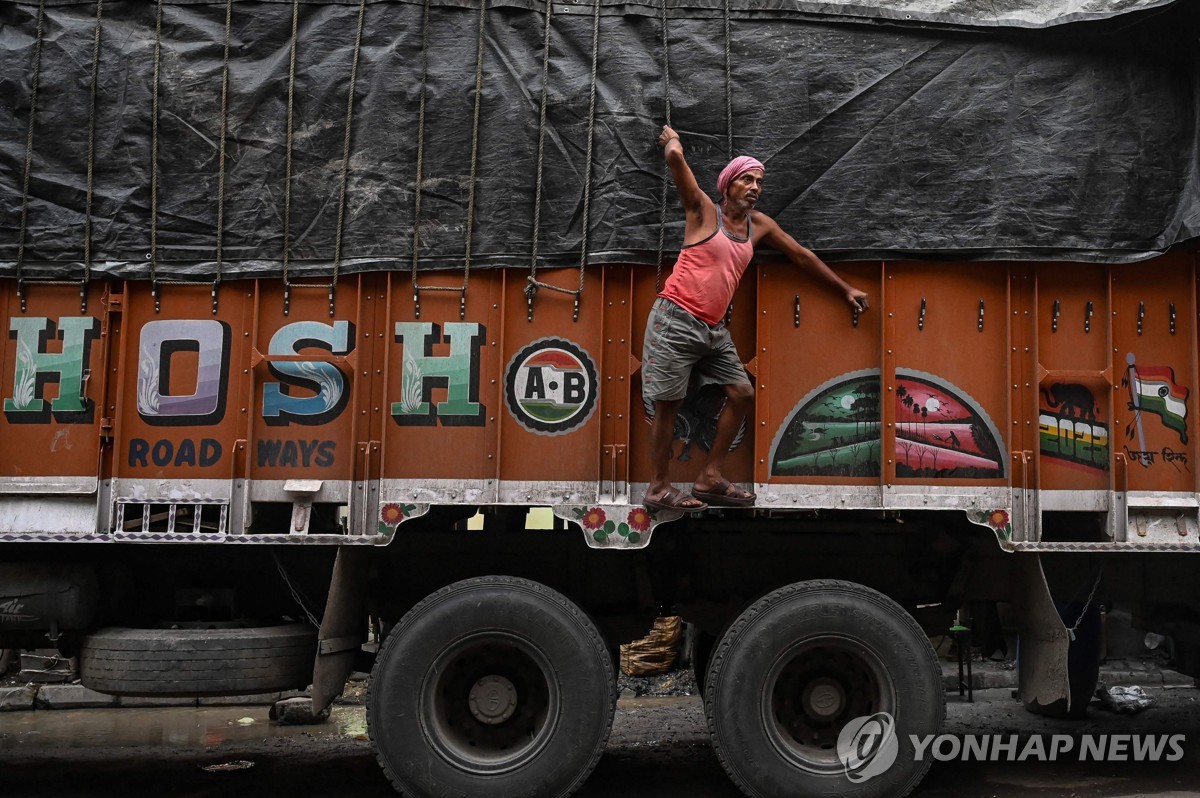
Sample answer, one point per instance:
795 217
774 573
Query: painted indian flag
1153 389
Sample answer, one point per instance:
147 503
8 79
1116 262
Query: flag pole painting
1153 390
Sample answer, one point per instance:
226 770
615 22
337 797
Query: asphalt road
659 749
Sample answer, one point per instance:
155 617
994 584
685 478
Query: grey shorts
679 348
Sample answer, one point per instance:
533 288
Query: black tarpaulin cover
1023 129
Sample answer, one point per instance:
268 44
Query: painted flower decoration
639 519
998 519
594 518
391 513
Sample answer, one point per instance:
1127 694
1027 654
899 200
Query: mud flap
343 626
1044 641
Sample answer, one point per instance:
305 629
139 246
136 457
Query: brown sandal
676 500
725 494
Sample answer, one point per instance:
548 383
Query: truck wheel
492 686
198 662
815 689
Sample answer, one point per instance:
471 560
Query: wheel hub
493 700
824 698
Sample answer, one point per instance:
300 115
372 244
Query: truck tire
492 686
198 662
815 689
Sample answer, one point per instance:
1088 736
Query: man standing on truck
686 333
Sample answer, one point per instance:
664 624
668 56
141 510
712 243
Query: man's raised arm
690 195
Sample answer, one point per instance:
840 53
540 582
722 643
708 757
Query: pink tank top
707 273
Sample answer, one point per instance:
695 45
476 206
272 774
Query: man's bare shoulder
762 225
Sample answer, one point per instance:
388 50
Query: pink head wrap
736 168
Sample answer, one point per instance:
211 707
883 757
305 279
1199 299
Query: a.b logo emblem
550 386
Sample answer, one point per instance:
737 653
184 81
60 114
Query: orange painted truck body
1006 391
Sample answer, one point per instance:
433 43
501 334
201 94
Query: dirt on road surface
659 748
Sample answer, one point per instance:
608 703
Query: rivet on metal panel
854 317
1054 318
795 312
979 326
921 317
1087 319
622 340
1172 318
764 423
1141 316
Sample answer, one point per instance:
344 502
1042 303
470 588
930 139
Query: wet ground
659 749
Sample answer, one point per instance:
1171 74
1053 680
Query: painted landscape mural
940 431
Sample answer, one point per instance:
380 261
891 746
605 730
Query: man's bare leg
662 436
739 398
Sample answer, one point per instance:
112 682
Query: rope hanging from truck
154 158
221 154
33 96
344 177
155 281
728 90
91 161
533 283
287 160
662 203
470 225
532 286
22 281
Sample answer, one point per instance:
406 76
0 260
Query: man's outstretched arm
775 237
